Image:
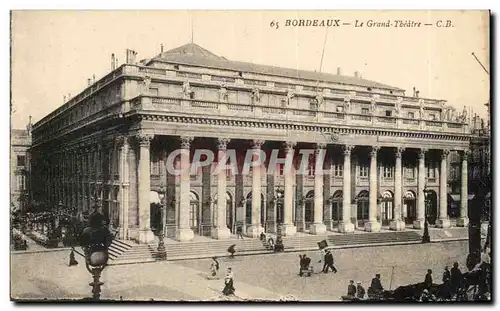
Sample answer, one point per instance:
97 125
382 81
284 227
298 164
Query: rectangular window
411 115
431 170
191 95
338 170
20 182
340 108
363 171
388 172
21 160
283 103
313 105
281 168
388 113
432 116
410 172
365 111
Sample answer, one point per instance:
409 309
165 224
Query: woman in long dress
214 267
228 283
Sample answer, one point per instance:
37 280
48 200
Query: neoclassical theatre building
110 143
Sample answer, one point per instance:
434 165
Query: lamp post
279 240
95 241
425 237
161 251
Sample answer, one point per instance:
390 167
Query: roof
193 54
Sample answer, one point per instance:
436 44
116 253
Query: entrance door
363 207
309 209
410 207
336 208
387 208
194 213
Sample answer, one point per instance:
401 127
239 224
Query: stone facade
112 140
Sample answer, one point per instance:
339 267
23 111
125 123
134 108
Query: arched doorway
248 210
362 207
336 208
154 211
194 213
431 207
309 209
387 206
410 207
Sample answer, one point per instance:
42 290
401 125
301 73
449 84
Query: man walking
239 231
328 262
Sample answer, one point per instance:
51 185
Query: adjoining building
383 148
20 142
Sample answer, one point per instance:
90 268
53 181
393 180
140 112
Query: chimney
417 93
356 74
161 48
93 78
116 61
414 92
339 71
89 82
112 61
130 56
64 99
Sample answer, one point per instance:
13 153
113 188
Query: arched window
194 211
387 207
363 206
337 207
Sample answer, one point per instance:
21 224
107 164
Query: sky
54 52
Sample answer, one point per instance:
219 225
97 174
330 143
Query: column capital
374 150
465 154
347 149
186 141
222 143
399 151
444 154
144 139
289 146
257 143
422 152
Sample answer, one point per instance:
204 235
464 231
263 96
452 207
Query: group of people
326 257
358 291
228 279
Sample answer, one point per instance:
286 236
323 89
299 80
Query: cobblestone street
261 276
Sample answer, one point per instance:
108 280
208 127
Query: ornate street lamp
426 237
95 241
161 251
279 240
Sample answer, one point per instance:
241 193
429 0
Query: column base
288 230
318 229
146 236
418 224
254 231
346 227
397 225
220 233
301 226
328 225
183 235
443 223
372 226
462 222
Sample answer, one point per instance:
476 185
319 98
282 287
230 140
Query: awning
456 197
153 197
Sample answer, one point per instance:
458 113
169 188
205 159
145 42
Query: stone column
124 187
220 231
463 221
419 222
288 227
255 228
318 227
373 225
144 187
443 221
397 223
184 232
346 225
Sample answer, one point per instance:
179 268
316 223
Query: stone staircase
127 252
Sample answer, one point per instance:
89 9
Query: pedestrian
214 267
428 279
445 288
231 250
72 260
376 286
329 262
360 291
322 253
228 283
351 289
239 231
456 278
